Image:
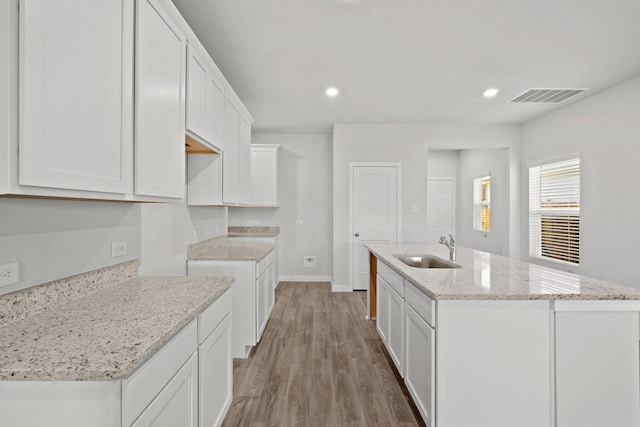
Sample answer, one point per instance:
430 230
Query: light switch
414 208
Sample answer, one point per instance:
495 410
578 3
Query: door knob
357 234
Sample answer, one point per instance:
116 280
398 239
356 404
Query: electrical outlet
309 261
118 249
9 274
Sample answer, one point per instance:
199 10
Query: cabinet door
231 153
382 303
76 96
244 160
215 108
395 338
261 300
196 95
419 365
160 77
215 375
177 403
271 288
205 100
264 175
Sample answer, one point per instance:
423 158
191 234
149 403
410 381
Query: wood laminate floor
319 363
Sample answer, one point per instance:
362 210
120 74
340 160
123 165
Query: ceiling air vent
547 96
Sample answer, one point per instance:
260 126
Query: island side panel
494 359
597 372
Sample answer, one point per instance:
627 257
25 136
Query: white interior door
440 208
374 207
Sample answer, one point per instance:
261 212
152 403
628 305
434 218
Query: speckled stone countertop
221 249
106 334
253 231
485 276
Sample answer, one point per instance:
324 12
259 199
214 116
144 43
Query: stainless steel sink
426 261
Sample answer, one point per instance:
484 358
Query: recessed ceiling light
491 92
332 91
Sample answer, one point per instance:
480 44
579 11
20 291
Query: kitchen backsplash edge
20 304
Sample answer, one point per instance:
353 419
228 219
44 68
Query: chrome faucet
451 244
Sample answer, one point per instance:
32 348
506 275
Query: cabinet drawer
393 279
147 381
211 317
421 303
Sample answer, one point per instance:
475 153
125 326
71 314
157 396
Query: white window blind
554 211
482 203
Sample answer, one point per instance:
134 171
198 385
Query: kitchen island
501 342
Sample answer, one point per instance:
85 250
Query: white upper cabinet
215 107
76 94
99 98
231 155
236 155
205 98
160 100
244 159
264 175
196 94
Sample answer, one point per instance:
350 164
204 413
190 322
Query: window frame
537 212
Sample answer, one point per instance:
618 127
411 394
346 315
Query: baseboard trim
305 278
336 288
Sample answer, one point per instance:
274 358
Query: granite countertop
493 277
221 249
253 231
106 334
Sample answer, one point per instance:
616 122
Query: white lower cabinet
252 295
153 385
419 367
390 321
382 315
177 403
404 322
187 382
262 297
215 368
274 254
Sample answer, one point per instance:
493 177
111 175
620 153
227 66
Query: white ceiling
412 61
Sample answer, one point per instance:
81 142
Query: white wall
474 164
605 130
442 163
167 229
304 185
53 239
409 145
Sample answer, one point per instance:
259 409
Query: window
554 211
482 203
